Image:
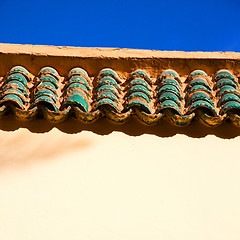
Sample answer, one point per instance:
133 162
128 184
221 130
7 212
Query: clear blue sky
205 25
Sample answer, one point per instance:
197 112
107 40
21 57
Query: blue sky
162 25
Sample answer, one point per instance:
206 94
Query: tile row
178 99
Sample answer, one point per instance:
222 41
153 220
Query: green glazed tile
77 99
47 101
17 77
139 88
228 97
78 71
199 88
169 104
15 84
76 91
140 74
169 81
105 101
169 88
78 79
229 106
47 85
197 73
45 92
47 71
223 82
21 70
199 96
169 72
135 95
13 98
51 79
169 96
202 104
16 92
227 89
106 94
137 103
223 74
108 72
139 81
108 88
108 81
78 86
198 81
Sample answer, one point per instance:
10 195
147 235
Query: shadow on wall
132 128
23 149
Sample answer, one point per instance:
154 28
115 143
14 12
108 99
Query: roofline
100 52
123 61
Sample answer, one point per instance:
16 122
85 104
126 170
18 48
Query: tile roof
179 99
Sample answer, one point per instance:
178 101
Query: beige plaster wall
57 185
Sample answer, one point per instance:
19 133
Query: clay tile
48 71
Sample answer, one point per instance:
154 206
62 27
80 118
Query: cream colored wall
118 187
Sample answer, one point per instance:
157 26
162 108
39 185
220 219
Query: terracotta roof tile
179 99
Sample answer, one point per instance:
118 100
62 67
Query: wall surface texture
56 185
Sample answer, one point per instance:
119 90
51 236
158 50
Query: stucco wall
86 185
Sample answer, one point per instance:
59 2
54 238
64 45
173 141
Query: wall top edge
115 53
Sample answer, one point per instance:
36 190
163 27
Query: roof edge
115 53
123 61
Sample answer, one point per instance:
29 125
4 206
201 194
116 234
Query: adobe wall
55 185
107 181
